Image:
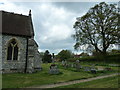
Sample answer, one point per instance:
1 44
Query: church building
19 49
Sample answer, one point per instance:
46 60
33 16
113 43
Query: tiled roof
16 24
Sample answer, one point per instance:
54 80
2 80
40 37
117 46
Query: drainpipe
25 71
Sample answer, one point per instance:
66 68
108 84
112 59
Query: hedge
108 58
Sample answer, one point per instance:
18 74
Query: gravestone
66 65
87 68
94 71
114 65
63 63
100 68
54 69
69 65
78 66
77 61
72 65
108 69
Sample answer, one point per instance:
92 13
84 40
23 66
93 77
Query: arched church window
12 52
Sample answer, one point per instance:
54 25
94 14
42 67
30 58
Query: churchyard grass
109 82
20 80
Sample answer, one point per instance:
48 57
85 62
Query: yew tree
47 57
98 28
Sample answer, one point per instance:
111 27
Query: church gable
16 24
19 49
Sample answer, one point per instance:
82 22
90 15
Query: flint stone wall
13 65
34 59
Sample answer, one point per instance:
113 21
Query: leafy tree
98 28
41 54
47 58
64 54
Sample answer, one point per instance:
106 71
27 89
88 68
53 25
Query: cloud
11 7
55 27
52 25
53 21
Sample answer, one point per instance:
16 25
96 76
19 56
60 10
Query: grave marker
53 69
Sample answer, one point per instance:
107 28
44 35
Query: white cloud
53 23
56 33
57 23
11 7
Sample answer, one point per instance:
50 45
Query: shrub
109 58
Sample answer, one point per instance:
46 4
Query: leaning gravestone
54 69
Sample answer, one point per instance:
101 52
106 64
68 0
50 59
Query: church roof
16 24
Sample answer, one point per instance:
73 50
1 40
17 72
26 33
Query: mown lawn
19 80
110 82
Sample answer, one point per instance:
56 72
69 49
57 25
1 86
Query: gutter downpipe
25 71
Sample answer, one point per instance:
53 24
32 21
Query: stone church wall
14 65
34 59
0 53
37 60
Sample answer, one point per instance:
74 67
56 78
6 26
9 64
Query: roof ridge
16 24
14 13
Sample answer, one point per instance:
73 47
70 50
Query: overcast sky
53 21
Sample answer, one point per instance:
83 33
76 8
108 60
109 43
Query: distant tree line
67 55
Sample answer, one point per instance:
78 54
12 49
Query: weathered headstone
108 69
63 63
100 68
54 69
94 71
78 65
87 68
72 65
77 61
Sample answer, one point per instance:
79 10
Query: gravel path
73 82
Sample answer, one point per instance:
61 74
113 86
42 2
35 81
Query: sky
53 21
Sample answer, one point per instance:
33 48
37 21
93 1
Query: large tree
64 54
98 28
